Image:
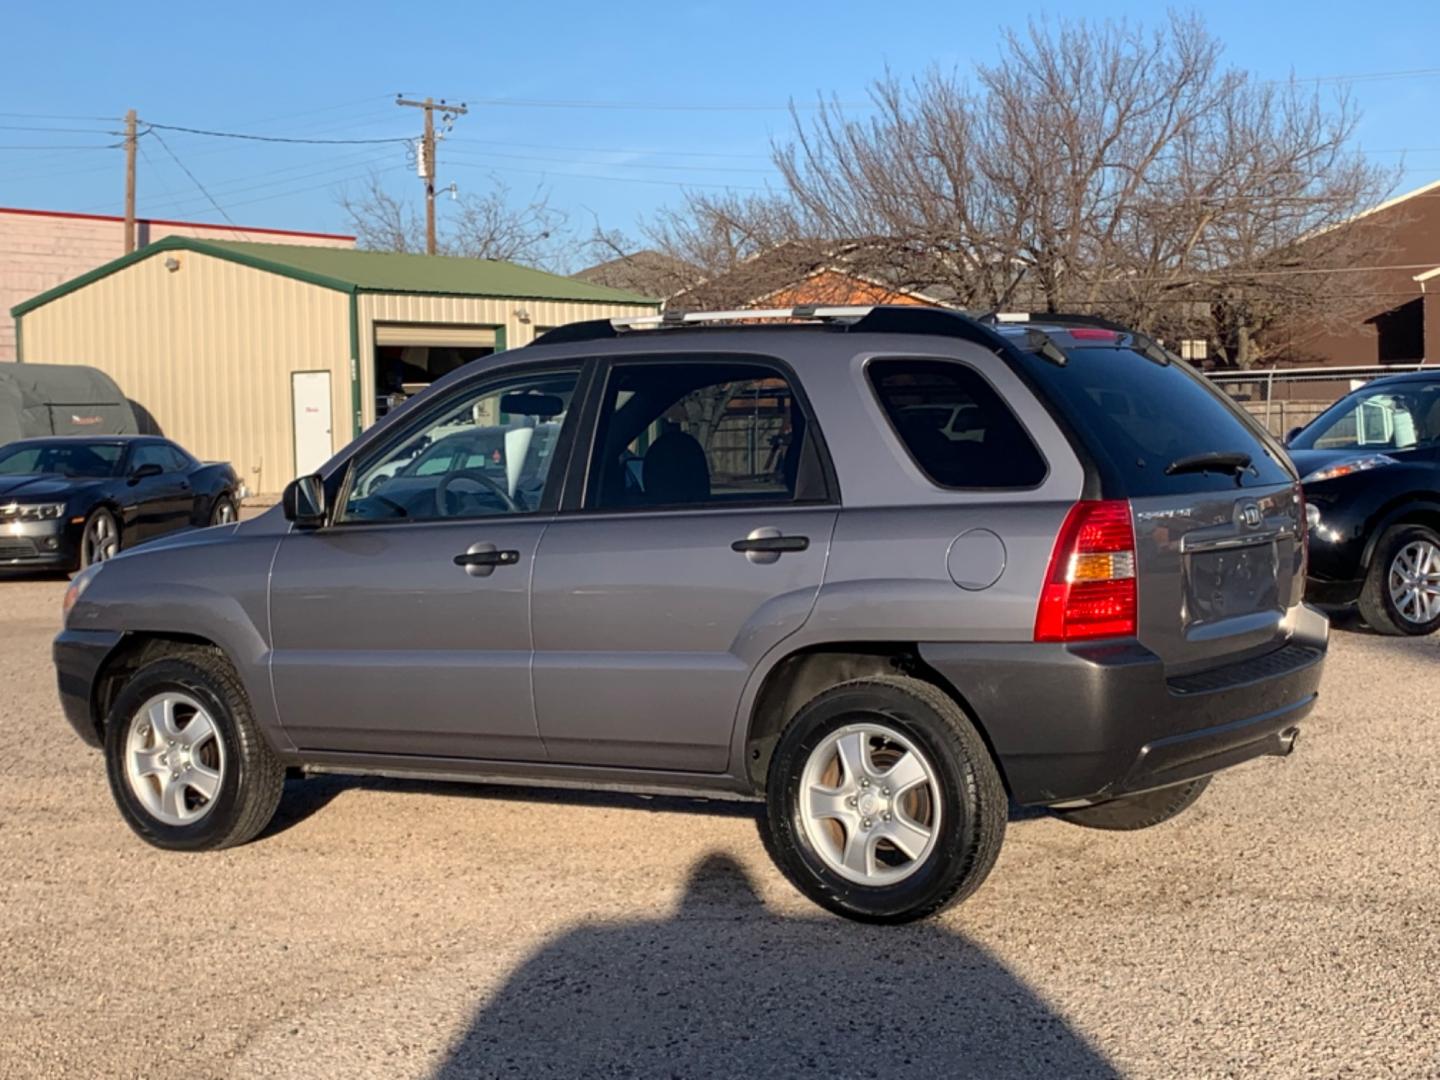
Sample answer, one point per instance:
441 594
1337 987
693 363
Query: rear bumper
78 656
1091 722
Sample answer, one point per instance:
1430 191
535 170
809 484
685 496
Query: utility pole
129 181
427 156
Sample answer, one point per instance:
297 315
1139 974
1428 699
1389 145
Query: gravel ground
1284 927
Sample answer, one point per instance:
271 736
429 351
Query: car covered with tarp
61 399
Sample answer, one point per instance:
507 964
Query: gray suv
887 569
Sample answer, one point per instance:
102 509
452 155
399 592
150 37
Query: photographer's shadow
724 988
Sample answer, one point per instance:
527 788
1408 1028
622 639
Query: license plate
1233 581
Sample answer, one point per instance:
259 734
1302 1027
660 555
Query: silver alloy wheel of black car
1414 581
101 538
174 758
224 511
870 803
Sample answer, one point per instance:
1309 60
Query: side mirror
1290 435
304 502
144 472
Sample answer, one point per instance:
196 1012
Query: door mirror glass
304 501
145 471
1290 435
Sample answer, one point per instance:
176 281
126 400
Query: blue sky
322 70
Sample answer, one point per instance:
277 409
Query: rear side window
694 434
956 427
1137 417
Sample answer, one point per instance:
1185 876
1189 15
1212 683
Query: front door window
486 454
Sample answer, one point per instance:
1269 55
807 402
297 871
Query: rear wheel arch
803 674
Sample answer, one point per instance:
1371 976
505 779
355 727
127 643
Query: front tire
883 803
1401 596
187 765
1131 812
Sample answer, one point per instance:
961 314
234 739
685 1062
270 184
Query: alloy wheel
224 513
174 758
870 804
101 540
1414 582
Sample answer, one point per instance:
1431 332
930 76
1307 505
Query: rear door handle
480 560
772 543
767 545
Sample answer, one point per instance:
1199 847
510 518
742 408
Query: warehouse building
39 249
272 356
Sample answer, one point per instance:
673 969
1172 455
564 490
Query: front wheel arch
1405 511
133 652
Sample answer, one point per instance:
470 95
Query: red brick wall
1393 306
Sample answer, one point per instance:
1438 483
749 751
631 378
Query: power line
193 179
59 116
58 146
613 150
627 164
652 106
58 130
614 179
270 138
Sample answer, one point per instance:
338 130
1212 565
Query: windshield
91 460
1395 417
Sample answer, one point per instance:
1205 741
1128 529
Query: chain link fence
1285 399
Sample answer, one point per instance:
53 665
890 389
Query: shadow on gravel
305 796
724 988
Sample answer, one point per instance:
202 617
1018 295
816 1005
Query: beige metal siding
389 308
208 351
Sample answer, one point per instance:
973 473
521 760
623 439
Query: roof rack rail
1052 318
882 319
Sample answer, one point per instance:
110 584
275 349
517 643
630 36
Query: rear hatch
1217 511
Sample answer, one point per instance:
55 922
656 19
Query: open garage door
410 356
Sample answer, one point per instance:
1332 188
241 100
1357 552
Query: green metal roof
352 271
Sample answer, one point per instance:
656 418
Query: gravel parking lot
1285 927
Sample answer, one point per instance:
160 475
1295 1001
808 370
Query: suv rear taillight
1089 587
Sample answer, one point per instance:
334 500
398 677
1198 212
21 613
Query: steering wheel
442 490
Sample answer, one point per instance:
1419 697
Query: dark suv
883 568
1370 465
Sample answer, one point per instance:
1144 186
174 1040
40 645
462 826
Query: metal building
272 356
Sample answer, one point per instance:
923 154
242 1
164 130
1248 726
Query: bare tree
491 225
1093 167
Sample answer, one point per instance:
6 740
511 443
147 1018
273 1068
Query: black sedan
1370 465
67 502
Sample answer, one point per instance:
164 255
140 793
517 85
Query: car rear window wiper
1221 461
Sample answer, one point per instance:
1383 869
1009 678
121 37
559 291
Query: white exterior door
310 398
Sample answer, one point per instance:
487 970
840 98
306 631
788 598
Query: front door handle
480 560
767 545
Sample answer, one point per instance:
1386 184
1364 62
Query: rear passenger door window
702 434
955 426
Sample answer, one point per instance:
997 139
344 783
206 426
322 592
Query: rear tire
928 781
223 511
187 764
1402 586
1131 812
